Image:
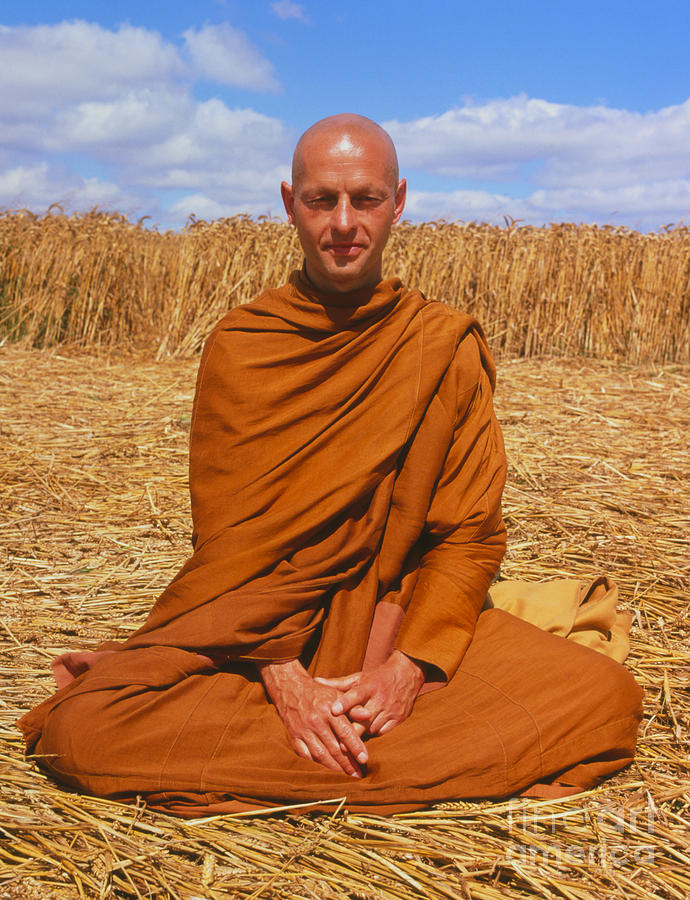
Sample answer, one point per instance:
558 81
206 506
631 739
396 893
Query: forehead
345 162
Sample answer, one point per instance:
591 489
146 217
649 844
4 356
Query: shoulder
463 337
450 319
229 345
245 314
470 346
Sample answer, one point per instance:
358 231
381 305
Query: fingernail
363 757
337 707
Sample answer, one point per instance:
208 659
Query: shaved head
346 134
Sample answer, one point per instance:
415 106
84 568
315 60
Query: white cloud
81 61
671 197
122 100
38 187
72 61
203 207
286 9
638 206
451 205
225 55
590 162
495 139
135 119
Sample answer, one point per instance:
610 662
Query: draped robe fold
346 469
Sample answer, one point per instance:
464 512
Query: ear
400 195
288 196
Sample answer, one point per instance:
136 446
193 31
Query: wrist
415 667
274 673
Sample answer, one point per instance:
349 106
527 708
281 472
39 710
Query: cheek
308 233
380 229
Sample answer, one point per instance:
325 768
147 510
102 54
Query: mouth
344 250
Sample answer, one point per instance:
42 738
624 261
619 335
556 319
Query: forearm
464 541
451 588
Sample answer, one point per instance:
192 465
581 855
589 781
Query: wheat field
100 282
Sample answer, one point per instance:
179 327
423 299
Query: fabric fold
583 611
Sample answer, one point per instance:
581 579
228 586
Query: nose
343 215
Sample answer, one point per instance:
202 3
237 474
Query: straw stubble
96 521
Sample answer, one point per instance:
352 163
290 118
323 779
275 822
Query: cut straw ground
95 522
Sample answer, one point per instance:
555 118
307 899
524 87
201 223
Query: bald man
331 634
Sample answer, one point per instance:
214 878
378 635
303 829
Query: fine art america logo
621 834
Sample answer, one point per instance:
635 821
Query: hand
305 706
382 698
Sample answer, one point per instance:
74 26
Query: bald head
346 134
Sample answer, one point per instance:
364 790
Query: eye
367 201
322 201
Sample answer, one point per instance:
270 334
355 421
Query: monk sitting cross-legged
331 635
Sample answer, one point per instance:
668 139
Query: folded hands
327 718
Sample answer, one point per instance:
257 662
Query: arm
464 539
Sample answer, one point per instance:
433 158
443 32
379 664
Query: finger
332 757
343 683
361 714
388 726
329 734
301 748
378 721
348 736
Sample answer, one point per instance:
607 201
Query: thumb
354 697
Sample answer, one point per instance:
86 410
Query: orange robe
344 459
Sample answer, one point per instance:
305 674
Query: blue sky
541 111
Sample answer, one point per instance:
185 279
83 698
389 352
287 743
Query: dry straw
97 280
93 490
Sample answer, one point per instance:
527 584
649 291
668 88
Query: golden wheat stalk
100 281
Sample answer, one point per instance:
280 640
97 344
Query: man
325 638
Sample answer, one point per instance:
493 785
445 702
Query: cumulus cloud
286 9
201 206
73 61
38 187
637 206
225 55
121 102
496 138
590 162
467 205
135 119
